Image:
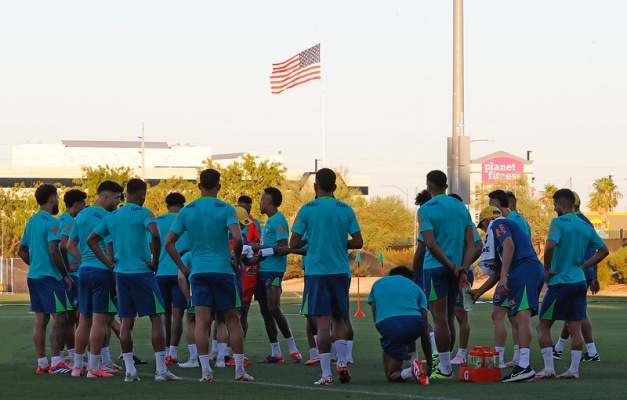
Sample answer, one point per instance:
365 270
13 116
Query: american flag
303 67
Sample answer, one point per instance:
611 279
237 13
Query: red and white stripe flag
303 67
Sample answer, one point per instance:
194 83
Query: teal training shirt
127 226
448 218
206 221
327 222
41 229
167 267
274 230
573 237
520 221
396 296
86 220
66 223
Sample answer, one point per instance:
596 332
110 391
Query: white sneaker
131 377
190 364
166 376
220 363
213 355
242 376
111 368
457 360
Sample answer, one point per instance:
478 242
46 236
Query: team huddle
206 257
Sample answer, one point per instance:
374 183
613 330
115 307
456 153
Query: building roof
499 154
115 144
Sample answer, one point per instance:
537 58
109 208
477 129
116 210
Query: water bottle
466 296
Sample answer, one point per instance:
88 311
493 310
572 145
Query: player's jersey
448 218
127 226
66 223
166 264
327 222
86 221
396 296
573 237
206 221
41 229
520 221
524 253
589 272
274 230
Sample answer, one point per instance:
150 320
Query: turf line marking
319 388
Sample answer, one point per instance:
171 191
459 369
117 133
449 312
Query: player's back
40 229
127 226
573 237
86 220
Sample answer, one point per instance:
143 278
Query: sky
540 76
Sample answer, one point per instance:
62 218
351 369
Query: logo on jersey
55 229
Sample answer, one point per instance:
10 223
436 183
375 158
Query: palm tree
605 197
546 196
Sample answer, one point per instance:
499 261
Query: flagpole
322 79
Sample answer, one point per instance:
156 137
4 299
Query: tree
17 205
93 177
546 196
155 198
605 197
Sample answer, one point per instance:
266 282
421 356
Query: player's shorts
440 282
249 282
96 293
47 295
171 292
525 284
459 302
138 295
72 295
564 302
398 332
419 279
498 299
215 290
326 295
264 281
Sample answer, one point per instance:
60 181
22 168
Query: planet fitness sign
501 169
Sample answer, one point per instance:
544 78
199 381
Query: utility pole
143 155
458 96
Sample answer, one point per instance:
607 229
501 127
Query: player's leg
350 334
545 321
461 316
591 349
273 296
39 339
312 340
513 323
201 335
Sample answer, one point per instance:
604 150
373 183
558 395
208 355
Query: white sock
106 356
524 358
501 351
291 344
316 339
160 361
228 350
174 352
222 351
204 363
129 363
574 361
55 360
214 346
167 351
276 349
43 362
71 353
413 355
516 358
406 373
239 362
193 352
445 362
313 352
592 349
433 345
94 362
325 364
349 350
79 360
461 353
559 346
340 346
333 350
547 355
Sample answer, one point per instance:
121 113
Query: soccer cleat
190 364
557 354
166 376
435 357
343 375
77 372
350 361
131 377
137 361
220 363
334 359
588 358
511 363
42 370
273 360
544 374
440 376
457 360
98 374
111 368
207 376
246 363
213 355
520 374
324 381
296 357
60 368
169 360
242 376
313 361
418 373
568 375
502 366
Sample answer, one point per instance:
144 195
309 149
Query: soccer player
97 289
191 315
520 278
137 288
586 326
569 238
399 309
167 277
75 201
208 222
327 222
511 197
247 204
39 248
448 234
271 270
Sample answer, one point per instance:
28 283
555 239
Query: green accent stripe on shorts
276 282
305 308
524 302
433 296
238 299
59 307
112 308
549 313
158 306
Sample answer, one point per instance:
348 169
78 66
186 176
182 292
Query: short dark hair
500 196
325 178
422 197
136 185
565 194
209 178
245 199
43 193
403 271
456 197
73 196
110 186
175 199
275 194
437 178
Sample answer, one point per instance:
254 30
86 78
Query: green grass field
287 381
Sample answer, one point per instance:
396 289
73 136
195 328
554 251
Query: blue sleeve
149 217
554 231
300 223
354 225
232 216
595 241
423 220
178 226
102 229
54 230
